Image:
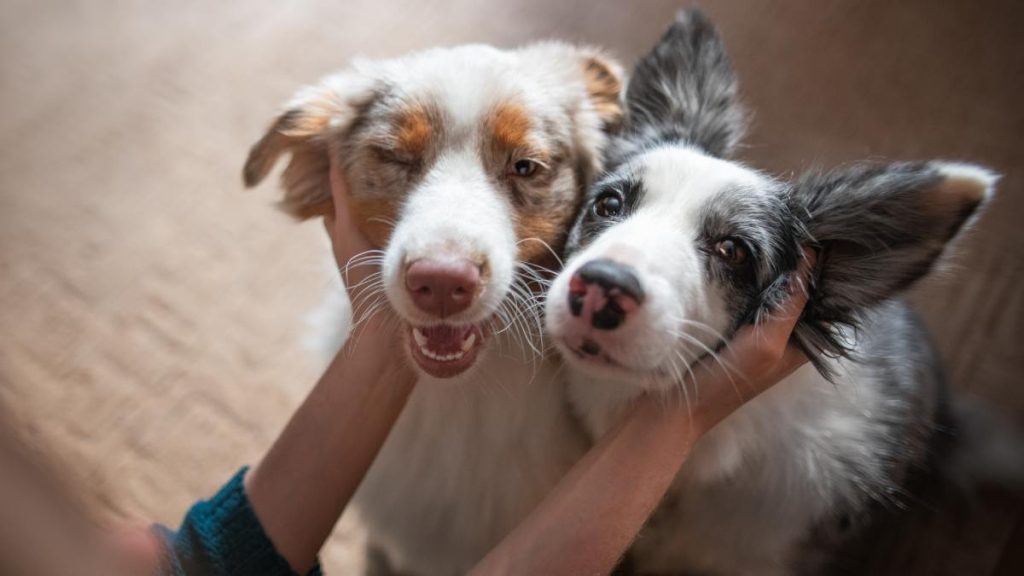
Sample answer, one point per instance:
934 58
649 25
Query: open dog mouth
445 350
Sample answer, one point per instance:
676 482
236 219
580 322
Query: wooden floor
151 313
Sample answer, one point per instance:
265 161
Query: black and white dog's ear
685 90
882 227
304 129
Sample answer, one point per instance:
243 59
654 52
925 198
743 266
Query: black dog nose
605 291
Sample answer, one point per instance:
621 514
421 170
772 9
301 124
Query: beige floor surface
151 312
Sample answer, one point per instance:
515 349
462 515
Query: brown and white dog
466 166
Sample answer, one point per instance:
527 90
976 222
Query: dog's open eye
608 204
524 168
731 251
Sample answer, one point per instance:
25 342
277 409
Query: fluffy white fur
466 462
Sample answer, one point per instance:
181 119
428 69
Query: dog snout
443 286
603 292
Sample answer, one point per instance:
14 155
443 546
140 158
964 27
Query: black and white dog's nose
604 292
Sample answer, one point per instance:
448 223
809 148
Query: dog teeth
422 343
441 357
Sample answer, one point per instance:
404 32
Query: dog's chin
599 365
610 367
445 350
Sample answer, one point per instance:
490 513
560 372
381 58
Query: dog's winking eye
524 168
608 204
732 251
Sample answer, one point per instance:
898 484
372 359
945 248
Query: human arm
304 482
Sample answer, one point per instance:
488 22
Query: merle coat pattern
712 244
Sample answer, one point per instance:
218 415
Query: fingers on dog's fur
780 323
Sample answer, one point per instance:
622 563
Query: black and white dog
677 248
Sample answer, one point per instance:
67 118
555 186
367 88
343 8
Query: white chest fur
467 461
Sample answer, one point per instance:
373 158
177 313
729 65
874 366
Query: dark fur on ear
685 91
877 229
304 130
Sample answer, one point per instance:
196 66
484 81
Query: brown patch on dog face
509 125
543 202
384 156
547 226
512 133
604 86
413 131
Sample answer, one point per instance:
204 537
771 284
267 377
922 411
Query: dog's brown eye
524 168
608 205
732 251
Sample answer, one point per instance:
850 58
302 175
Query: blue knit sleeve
222 537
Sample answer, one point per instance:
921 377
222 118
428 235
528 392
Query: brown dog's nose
442 286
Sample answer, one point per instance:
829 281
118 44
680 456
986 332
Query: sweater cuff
222 537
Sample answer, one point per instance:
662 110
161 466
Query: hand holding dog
347 415
353 252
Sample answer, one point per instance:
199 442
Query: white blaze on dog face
461 163
664 216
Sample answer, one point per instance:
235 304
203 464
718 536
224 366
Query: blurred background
152 313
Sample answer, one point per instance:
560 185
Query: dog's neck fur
468 459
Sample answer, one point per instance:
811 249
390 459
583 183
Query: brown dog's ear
604 81
304 130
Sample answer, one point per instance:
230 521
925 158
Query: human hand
758 357
358 260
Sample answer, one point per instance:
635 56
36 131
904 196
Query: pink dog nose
603 293
442 286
